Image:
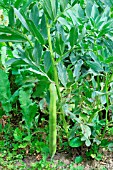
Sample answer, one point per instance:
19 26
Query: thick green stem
55 74
53 62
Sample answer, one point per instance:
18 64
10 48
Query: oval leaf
75 142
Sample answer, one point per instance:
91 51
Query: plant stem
53 61
31 44
55 74
107 107
98 82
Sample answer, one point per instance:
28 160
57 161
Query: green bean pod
52 120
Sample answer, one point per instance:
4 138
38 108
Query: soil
105 164
92 164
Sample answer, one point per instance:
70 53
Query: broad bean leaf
95 66
77 69
11 38
47 61
94 11
62 73
79 11
86 131
11 34
73 36
50 8
73 2
37 52
34 15
35 31
18 135
54 4
5 93
63 5
28 107
75 142
21 18
88 9
59 44
43 29
11 16
18 3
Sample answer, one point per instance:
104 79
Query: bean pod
52 120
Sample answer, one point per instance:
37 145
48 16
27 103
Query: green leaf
11 38
88 142
109 60
62 73
11 16
14 97
95 66
109 44
104 143
48 9
1 128
5 93
77 69
79 11
18 135
47 61
103 99
93 56
98 157
73 36
34 15
94 12
27 138
35 32
107 2
106 12
23 145
41 89
21 18
8 30
37 52
59 44
43 27
86 131
54 4
88 9
110 146
27 3
3 56
75 142
5 2
78 159
28 107
18 3
64 22
63 5
73 2
38 73
105 28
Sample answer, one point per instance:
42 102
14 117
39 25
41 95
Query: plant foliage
68 43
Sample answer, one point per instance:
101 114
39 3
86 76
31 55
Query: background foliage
69 42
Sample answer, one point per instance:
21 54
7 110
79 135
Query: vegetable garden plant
57 60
